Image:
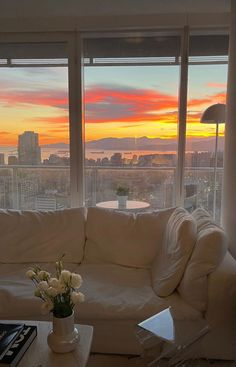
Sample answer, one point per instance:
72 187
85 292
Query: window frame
74 42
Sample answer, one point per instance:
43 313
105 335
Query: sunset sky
119 101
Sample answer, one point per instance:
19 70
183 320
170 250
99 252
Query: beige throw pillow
208 253
169 265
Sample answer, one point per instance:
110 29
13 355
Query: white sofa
133 266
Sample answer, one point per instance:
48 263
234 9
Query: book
19 347
8 334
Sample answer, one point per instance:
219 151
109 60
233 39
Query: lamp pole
214 114
215 171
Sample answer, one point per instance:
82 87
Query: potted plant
59 293
122 193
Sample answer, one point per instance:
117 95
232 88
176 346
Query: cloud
135 125
106 103
113 103
62 130
47 98
4 133
8 138
217 85
57 120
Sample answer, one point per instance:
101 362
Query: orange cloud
7 138
64 120
49 98
106 104
128 107
217 85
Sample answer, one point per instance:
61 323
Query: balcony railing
48 187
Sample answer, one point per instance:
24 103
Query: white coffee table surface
40 355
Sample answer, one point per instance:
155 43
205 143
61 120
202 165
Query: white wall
229 188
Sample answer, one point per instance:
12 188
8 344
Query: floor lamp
214 114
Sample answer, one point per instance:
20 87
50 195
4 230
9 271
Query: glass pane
131 104
34 136
207 86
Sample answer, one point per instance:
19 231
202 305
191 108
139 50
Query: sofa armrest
222 291
221 310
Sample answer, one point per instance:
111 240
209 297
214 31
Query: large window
72 131
131 116
207 76
34 136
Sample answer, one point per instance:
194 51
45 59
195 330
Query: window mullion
183 92
76 123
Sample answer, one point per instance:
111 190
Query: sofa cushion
124 238
169 265
42 236
112 292
208 253
115 292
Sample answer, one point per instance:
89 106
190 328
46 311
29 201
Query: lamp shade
215 114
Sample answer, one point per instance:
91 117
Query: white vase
63 337
122 201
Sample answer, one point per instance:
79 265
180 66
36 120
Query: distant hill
145 143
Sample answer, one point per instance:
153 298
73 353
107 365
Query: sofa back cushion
124 238
42 236
209 251
169 265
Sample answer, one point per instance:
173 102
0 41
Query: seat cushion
169 265
42 236
210 249
124 238
116 299
116 292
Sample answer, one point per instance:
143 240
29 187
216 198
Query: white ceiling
80 8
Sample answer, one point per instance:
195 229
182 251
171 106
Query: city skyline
145 155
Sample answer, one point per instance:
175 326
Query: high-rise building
2 161
12 160
29 151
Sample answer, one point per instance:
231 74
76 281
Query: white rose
52 292
65 277
46 307
43 285
77 297
37 293
53 282
43 275
30 274
61 288
76 280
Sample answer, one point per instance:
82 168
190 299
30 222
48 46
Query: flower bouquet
60 293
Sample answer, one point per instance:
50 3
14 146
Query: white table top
40 355
130 205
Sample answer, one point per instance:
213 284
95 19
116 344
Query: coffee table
164 338
40 355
